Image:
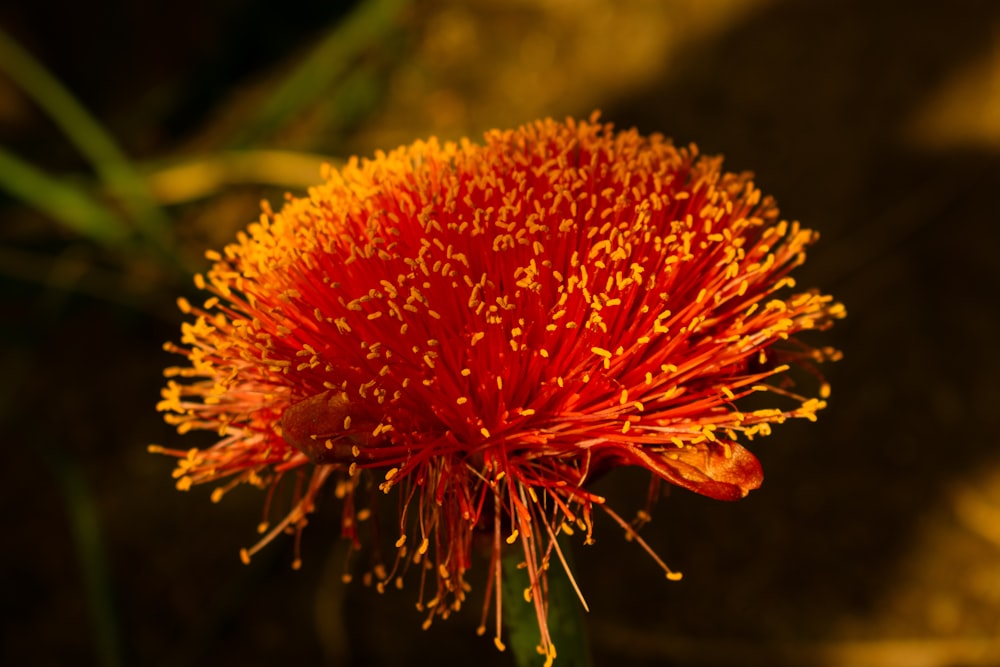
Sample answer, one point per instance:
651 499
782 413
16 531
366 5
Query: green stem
89 137
71 206
565 614
369 23
85 525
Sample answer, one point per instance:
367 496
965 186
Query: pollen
601 352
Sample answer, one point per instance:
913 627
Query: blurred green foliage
125 211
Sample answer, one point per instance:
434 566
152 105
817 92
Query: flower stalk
564 611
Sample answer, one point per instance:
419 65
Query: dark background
875 539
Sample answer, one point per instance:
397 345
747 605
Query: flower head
483 329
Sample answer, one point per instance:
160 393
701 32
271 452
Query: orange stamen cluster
490 327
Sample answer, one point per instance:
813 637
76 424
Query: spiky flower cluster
483 329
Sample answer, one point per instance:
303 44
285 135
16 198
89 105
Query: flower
487 328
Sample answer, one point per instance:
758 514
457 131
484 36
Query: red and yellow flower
484 328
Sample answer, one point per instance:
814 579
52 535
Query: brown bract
486 328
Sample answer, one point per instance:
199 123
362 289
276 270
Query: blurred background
134 135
